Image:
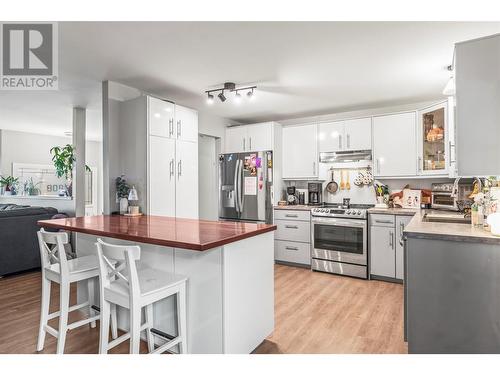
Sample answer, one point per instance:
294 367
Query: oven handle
340 223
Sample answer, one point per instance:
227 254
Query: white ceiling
300 68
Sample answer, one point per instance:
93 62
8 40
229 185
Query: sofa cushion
16 210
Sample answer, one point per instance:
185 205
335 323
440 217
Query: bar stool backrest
117 263
52 251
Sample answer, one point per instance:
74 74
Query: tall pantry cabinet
168 144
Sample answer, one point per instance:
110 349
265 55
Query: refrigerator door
228 166
254 193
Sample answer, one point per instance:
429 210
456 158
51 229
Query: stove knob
358 212
348 212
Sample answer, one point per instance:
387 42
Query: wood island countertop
164 231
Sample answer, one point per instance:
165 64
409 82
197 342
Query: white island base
230 291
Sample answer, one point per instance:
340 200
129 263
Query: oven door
339 240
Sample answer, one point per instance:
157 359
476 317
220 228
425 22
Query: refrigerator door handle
235 195
240 186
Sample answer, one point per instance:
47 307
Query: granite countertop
161 230
300 207
394 211
418 228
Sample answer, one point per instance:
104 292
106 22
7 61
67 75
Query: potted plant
122 191
64 161
8 183
31 187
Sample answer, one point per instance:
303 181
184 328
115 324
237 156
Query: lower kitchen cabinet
386 246
293 237
382 251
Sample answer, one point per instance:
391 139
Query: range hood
345 156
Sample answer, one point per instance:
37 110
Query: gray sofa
18 241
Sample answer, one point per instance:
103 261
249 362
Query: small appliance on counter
315 193
443 198
303 196
291 197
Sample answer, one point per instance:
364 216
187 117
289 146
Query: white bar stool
140 288
57 268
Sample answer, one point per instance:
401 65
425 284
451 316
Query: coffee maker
315 193
291 197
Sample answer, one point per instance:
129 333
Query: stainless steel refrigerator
245 186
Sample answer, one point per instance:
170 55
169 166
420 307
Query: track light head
237 98
250 95
210 99
221 96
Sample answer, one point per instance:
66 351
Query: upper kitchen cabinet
355 134
394 145
300 152
254 137
161 117
477 75
434 144
186 124
358 134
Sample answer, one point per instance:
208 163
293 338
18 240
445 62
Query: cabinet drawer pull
291 227
384 221
291 248
290 215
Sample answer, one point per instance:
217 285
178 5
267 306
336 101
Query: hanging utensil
342 183
332 186
348 184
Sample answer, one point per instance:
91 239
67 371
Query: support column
79 130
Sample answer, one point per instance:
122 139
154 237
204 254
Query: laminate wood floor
314 312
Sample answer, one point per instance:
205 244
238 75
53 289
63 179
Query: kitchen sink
452 218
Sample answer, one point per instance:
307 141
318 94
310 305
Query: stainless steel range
339 239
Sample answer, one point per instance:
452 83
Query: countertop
417 228
164 231
394 211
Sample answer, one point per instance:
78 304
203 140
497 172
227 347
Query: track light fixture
230 87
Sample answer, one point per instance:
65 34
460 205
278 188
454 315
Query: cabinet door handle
243 144
291 248
401 229
384 221
290 215
378 165
291 227
250 143
179 168
171 166
170 126
179 123
419 164
314 168
340 141
391 239
348 141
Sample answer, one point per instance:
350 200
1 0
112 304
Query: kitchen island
452 287
229 266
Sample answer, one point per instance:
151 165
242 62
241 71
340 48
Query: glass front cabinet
433 140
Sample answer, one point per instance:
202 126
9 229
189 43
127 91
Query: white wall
20 147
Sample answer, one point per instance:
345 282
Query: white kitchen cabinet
331 136
477 76
186 191
254 137
293 237
358 134
300 152
161 176
355 134
161 117
236 139
382 251
401 223
394 145
186 124
259 137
